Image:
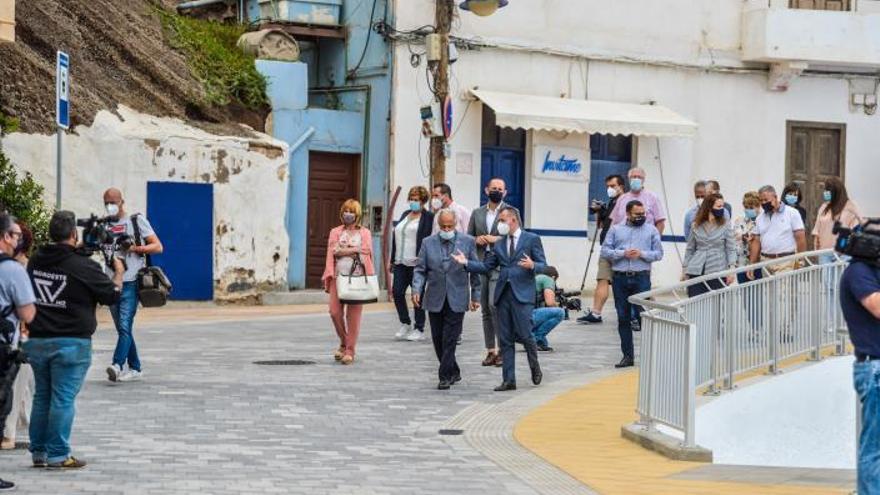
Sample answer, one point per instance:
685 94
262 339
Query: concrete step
308 296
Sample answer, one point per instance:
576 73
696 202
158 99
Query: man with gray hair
780 232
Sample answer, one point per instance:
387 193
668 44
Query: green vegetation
22 196
227 74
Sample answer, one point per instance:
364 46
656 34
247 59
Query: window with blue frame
609 155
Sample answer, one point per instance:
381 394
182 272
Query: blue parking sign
62 89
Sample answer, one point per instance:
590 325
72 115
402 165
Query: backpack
153 286
7 328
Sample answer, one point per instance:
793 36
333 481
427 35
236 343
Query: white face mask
447 235
612 192
112 209
436 203
503 228
699 202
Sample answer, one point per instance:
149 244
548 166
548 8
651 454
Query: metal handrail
712 338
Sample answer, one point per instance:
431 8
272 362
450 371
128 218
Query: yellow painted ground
579 432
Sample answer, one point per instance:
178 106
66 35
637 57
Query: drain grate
289 362
451 432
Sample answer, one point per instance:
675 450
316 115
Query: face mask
496 196
718 213
751 214
348 218
699 202
635 184
19 248
112 209
612 192
768 207
827 196
503 228
436 203
415 206
637 221
447 235
791 199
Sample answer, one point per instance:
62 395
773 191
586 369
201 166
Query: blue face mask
751 214
415 206
447 235
635 184
827 196
791 199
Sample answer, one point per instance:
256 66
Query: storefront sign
560 163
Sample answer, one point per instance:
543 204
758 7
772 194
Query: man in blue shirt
860 303
631 247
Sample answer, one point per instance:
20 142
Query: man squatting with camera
133 236
860 303
68 285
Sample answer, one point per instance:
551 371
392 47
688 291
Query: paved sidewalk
207 420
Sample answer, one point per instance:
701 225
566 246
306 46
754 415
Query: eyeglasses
13 234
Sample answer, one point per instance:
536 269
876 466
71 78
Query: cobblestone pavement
207 420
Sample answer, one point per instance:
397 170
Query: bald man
146 243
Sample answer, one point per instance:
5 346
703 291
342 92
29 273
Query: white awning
586 116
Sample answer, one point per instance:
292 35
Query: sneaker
415 335
69 463
635 325
590 317
544 347
113 372
130 376
7 485
40 463
403 332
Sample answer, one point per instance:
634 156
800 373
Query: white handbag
357 289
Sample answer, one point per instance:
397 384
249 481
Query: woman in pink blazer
347 244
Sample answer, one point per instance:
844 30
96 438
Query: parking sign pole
58 169
62 115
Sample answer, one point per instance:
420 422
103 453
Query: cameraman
860 303
547 314
68 285
614 183
16 306
137 229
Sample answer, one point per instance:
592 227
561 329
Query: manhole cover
451 432
289 362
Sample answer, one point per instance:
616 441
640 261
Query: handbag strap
138 239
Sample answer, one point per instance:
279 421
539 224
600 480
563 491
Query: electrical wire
352 72
460 122
666 200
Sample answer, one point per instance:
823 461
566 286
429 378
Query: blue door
507 164
609 155
182 215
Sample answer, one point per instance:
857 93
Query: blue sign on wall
568 166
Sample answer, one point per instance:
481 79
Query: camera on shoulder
861 242
98 236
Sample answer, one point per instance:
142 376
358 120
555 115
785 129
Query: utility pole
443 21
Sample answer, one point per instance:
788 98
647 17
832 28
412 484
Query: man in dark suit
445 284
519 255
483 227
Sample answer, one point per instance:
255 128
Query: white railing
709 340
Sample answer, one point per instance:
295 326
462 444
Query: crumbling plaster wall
128 149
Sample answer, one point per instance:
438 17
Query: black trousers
403 279
8 371
445 330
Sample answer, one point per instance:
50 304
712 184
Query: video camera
859 242
97 235
568 301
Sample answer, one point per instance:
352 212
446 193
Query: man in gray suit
445 284
483 226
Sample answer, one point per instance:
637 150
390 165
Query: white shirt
516 235
405 235
462 218
491 215
777 230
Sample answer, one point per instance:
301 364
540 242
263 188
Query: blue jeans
123 317
625 284
866 378
545 320
60 366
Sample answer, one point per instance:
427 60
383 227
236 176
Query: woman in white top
414 225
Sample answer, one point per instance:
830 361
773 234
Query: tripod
590 256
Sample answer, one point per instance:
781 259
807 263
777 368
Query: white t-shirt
777 230
133 262
405 238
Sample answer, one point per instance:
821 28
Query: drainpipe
198 3
302 139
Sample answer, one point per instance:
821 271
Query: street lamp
483 7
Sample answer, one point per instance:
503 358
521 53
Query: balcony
835 34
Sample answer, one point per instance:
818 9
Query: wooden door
816 151
820 4
333 179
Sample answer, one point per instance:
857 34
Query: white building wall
742 126
128 150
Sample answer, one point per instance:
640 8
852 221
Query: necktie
512 249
